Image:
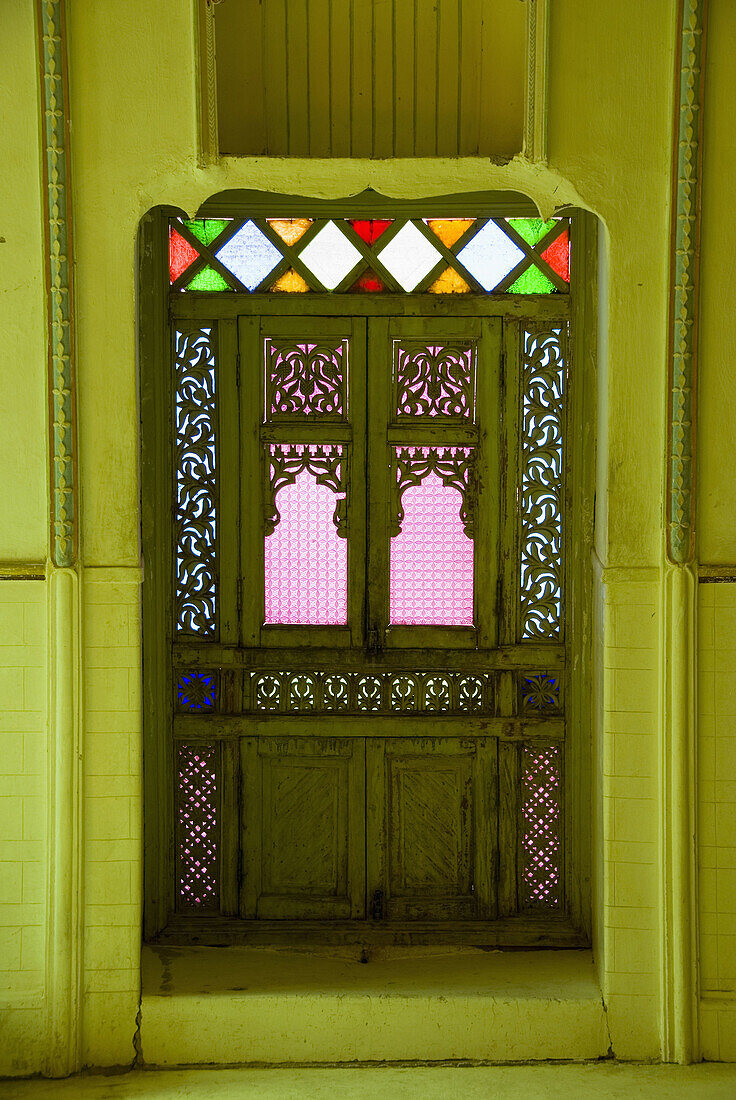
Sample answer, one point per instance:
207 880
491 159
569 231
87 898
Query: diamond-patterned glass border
339 255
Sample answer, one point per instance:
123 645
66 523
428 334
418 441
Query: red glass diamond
181 254
558 255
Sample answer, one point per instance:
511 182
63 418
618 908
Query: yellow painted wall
134 116
717 545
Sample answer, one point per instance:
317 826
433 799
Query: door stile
487 474
378 487
228 471
251 484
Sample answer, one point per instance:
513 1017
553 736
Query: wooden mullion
487 475
449 257
375 826
357 473
251 846
510 473
485 797
228 477
369 255
308 724
206 254
230 802
289 258
378 483
155 363
549 656
332 431
508 828
251 483
194 305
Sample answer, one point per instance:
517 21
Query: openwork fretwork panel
198 825
539 693
370 693
434 380
542 483
541 826
306 379
195 527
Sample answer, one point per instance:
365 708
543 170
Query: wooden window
354 644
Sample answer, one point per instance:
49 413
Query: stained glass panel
449 230
431 579
532 229
330 256
371 230
557 255
368 282
449 282
195 527
249 255
490 255
541 826
206 230
404 248
181 254
532 281
208 279
305 553
409 256
198 826
290 230
290 282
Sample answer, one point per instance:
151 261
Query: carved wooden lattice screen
367 594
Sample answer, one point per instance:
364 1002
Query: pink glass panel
306 560
432 559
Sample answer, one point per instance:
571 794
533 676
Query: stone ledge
264 1005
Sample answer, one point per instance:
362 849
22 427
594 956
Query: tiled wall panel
112 814
717 817
23 820
629 791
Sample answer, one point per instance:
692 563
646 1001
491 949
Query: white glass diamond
249 255
409 256
330 255
490 255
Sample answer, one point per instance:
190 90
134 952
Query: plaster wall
717 546
134 140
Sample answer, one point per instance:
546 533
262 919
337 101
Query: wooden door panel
431 828
304 835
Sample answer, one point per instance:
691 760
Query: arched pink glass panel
431 559
306 561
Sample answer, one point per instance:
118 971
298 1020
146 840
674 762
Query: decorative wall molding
537 67
685 254
209 138
59 266
678 757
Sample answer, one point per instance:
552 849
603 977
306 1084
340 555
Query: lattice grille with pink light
198 799
306 559
431 559
541 825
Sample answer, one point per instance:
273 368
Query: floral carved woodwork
435 380
541 483
305 379
195 527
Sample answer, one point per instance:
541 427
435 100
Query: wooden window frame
155 317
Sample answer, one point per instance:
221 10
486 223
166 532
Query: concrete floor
566 1082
